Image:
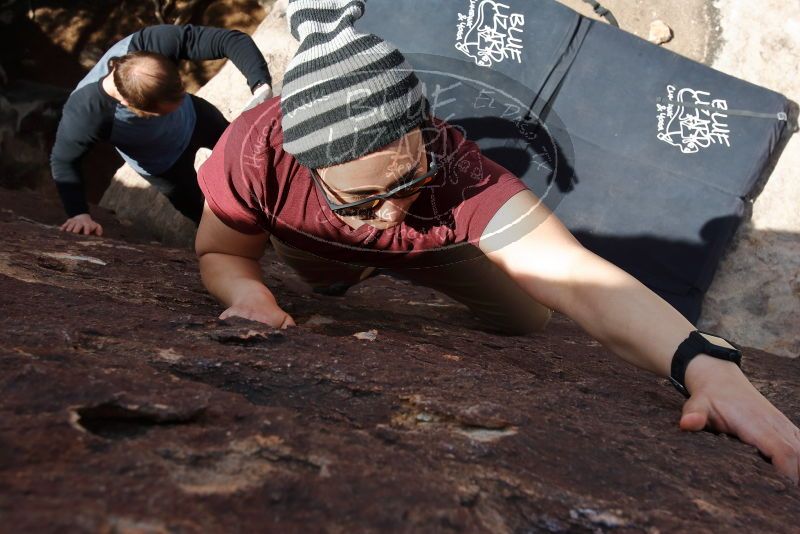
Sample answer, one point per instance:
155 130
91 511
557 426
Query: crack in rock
243 332
118 420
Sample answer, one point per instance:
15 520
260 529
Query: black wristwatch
700 343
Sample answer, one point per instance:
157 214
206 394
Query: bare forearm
624 315
231 278
636 324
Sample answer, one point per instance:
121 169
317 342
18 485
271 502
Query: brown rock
126 406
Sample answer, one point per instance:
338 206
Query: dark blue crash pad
646 156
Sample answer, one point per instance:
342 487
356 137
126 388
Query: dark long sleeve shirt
150 145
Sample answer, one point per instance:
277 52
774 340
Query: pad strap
603 12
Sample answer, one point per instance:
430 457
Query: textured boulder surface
29 114
126 406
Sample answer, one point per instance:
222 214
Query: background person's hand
261 94
725 401
261 309
82 224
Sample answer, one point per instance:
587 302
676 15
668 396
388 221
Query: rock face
138 204
127 407
755 296
29 114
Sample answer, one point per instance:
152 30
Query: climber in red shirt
347 173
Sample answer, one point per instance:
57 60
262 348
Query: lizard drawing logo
489 33
692 121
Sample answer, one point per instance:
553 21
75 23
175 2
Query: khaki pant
474 281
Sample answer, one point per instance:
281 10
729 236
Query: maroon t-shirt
253 185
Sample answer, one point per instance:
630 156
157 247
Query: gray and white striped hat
345 94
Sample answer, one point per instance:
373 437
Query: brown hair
147 80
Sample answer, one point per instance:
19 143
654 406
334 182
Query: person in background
134 98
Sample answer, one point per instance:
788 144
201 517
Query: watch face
718 341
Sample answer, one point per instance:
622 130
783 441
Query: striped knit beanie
345 94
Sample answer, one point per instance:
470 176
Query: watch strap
690 347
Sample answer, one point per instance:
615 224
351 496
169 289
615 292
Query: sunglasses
368 204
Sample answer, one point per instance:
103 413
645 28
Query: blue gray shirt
150 145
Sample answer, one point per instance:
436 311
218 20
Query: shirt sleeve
233 181
498 187
197 43
80 127
476 187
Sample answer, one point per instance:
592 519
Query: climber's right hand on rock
82 224
262 309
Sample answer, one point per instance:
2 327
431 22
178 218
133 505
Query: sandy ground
763 47
695 23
